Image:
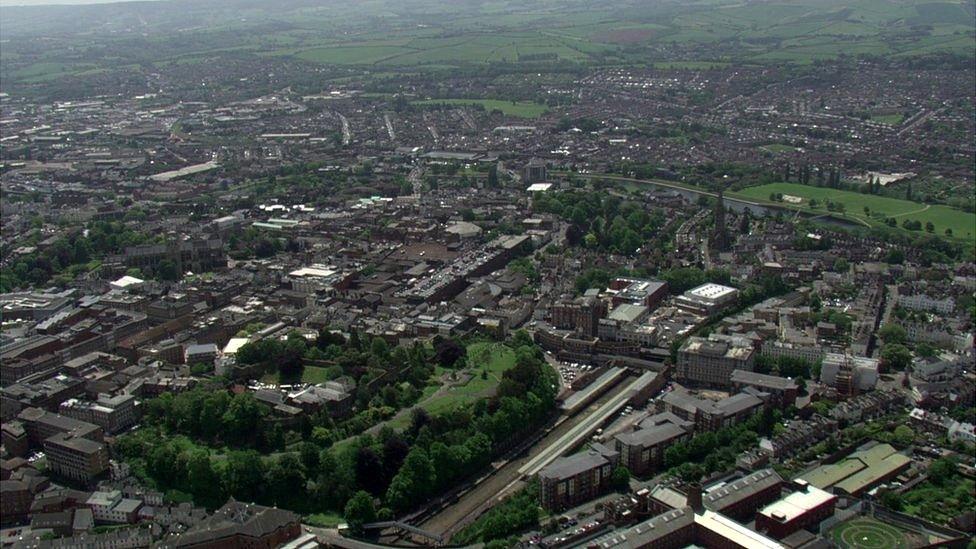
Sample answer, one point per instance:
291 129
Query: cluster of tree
682 279
833 206
872 186
807 243
717 451
525 266
964 414
287 356
893 333
584 124
463 441
515 514
786 366
691 133
69 254
763 287
252 242
184 443
929 249
177 464
916 225
824 178
841 321
214 417
896 356
601 221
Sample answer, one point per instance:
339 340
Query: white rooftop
313 270
126 281
711 291
539 187
735 532
234 345
796 504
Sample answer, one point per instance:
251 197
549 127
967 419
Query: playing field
962 224
891 119
867 533
778 148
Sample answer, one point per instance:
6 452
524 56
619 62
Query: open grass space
962 224
778 148
690 65
521 109
867 533
890 119
487 361
323 520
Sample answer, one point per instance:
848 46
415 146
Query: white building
111 507
776 349
126 282
962 431
922 302
707 299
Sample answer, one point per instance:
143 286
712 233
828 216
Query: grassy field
963 224
778 148
690 65
324 520
890 119
867 533
521 109
491 358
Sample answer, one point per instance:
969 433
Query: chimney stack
694 497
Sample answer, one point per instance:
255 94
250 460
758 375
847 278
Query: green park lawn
491 358
778 148
324 520
867 533
963 224
891 119
521 109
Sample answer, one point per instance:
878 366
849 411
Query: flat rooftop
797 503
711 291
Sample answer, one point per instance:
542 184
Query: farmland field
521 109
430 36
351 55
962 224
